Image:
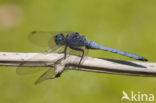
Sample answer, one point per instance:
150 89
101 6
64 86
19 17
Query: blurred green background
128 25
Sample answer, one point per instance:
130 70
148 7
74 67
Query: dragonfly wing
56 49
28 70
45 76
22 70
45 39
42 39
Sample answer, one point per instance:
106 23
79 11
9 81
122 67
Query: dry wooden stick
90 64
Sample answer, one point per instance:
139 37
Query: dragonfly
61 41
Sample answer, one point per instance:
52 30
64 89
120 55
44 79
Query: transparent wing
28 70
22 70
45 39
45 76
56 49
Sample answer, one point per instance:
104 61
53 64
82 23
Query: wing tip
36 82
33 32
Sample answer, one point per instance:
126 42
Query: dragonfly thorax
60 39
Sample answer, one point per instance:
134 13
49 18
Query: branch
90 64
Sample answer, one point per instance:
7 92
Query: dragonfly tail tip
143 59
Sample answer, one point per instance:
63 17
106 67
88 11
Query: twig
90 64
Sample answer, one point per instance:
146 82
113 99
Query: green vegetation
128 25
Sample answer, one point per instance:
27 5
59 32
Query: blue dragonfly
61 41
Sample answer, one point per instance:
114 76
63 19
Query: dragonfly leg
79 49
65 51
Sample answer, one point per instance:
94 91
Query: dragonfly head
60 39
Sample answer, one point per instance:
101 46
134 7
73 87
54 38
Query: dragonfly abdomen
93 45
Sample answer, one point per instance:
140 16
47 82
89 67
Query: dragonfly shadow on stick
123 62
